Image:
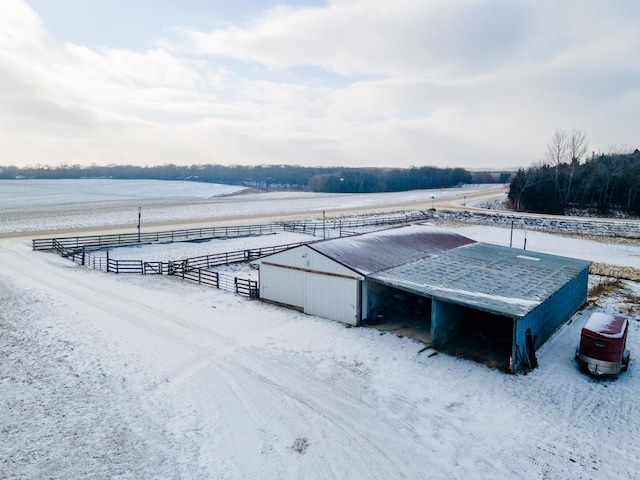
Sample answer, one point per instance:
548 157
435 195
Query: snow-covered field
105 376
37 205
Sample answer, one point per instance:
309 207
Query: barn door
332 297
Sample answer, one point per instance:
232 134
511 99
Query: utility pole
511 239
324 232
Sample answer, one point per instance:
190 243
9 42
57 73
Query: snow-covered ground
115 376
36 205
164 252
625 254
33 205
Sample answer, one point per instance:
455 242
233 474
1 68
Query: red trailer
602 349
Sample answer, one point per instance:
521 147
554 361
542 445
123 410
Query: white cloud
21 26
409 37
467 83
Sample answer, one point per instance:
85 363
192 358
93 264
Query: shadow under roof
380 250
502 280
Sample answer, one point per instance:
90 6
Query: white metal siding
332 297
302 277
305 258
282 285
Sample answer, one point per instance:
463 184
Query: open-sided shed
496 293
484 300
328 278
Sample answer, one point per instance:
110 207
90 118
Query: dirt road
247 205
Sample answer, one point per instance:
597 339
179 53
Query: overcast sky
465 83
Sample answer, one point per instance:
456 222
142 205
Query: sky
375 83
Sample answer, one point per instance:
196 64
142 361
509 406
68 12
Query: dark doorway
403 313
484 337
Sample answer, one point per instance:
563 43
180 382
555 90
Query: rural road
191 212
451 202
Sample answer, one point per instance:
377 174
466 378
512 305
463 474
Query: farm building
474 299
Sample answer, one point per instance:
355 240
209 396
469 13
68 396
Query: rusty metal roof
502 280
384 249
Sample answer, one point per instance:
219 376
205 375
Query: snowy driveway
113 376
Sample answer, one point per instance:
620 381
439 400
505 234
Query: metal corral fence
241 286
95 242
182 269
198 269
81 256
227 258
123 239
316 228
195 269
143 267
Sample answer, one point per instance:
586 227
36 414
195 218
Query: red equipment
602 349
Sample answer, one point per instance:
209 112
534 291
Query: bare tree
577 149
577 145
558 149
557 152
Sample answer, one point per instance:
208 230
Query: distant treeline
604 182
316 179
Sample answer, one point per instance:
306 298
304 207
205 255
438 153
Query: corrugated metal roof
502 280
375 251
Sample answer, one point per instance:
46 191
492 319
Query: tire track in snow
302 404
328 409
62 409
313 398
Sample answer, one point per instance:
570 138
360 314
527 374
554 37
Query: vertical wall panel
282 285
304 278
332 297
447 319
545 319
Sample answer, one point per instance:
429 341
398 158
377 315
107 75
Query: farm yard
132 376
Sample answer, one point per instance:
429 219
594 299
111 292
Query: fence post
107 261
235 283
